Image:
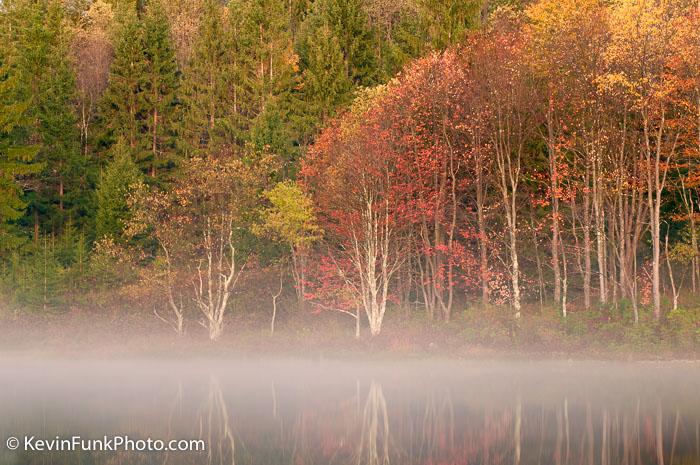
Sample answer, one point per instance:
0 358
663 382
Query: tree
117 183
92 56
140 100
326 85
266 75
446 22
348 23
123 105
266 58
348 173
160 86
565 39
184 17
210 94
425 112
201 226
639 51
685 66
503 86
16 157
42 42
290 219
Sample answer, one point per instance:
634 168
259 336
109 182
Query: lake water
332 412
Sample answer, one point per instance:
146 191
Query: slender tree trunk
275 296
36 227
515 272
599 228
509 174
538 262
656 180
554 193
154 142
60 193
483 252
565 284
670 274
587 240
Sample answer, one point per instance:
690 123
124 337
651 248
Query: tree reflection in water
338 418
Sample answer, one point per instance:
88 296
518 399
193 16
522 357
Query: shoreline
116 333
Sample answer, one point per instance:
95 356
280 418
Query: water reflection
285 413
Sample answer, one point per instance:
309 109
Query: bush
684 327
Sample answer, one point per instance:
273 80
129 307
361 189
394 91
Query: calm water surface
322 412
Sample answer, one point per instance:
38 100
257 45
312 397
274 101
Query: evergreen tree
160 85
337 55
445 22
66 176
326 85
399 34
118 180
16 157
209 95
261 35
347 21
48 83
298 9
123 106
267 76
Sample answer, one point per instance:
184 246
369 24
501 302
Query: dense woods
444 160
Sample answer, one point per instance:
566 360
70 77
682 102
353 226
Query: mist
358 412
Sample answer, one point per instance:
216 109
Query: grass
115 327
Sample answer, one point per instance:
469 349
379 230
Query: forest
515 171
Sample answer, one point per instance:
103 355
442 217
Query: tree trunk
587 241
481 221
599 229
554 193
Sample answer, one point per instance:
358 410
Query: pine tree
66 173
261 34
123 105
337 54
16 157
119 178
326 85
398 32
445 22
160 85
48 83
267 76
348 22
209 96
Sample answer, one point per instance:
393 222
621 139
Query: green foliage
684 327
266 76
290 217
123 103
326 85
210 92
118 181
160 87
47 83
42 276
347 22
111 265
447 21
272 133
16 157
140 102
682 253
